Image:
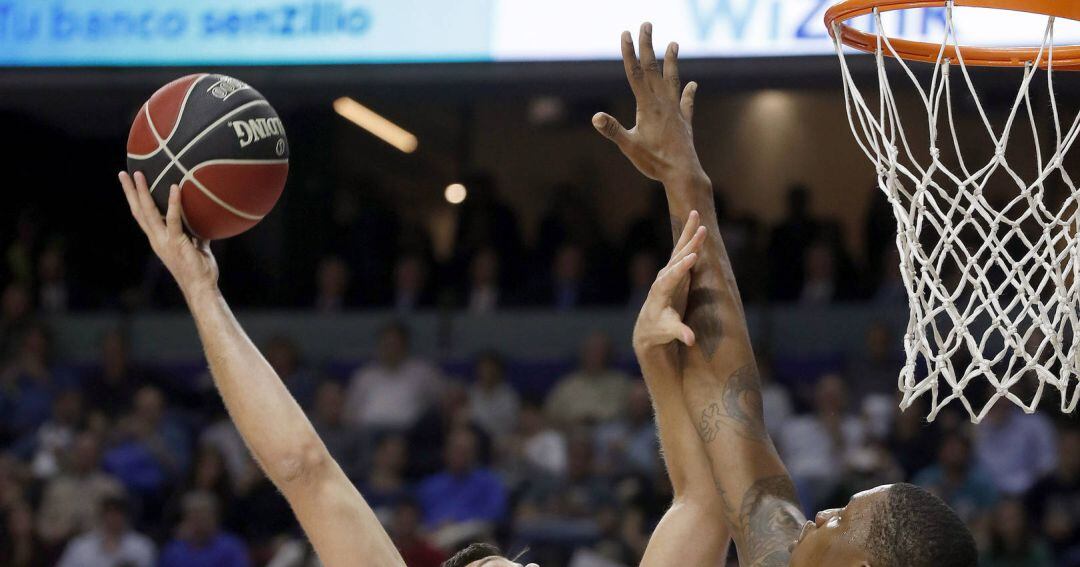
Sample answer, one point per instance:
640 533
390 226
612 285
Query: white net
988 249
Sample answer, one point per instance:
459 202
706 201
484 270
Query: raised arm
339 523
693 531
721 388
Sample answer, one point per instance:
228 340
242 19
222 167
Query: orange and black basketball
221 142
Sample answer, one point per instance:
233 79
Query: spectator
484 220
957 479
411 286
15 315
208 474
643 268
876 364
1053 503
880 235
221 434
415 547
594 392
567 289
788 245
28 384
890 291
111 543
151 452
284 357
1016 448
332 285
465 498
73 499
484 293
46 446
820 285
384 485
54 294
429 435
19 546
817 448
110 389
345 441
199 541
775 399
1012 543
629 444
542 447
392 392
493 404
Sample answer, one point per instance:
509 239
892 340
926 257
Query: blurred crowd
567 262
135 463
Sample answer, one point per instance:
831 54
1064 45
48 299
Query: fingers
693 246
132 200
671 69
610 128
692 223
671 277
173 221
150 213
648 57
634 73
686 104
685 334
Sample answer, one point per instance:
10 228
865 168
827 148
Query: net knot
935 153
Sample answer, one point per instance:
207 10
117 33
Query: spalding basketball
221 142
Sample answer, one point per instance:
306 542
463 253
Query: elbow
302 464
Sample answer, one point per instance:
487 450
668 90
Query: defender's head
482 555
898 525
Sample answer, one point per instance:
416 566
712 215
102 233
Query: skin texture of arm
340 524
693 531
721 387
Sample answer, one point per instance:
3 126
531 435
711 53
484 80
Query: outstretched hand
660 321
187 258
661 143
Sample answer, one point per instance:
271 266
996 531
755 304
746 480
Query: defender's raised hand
188 259
661 143
660 321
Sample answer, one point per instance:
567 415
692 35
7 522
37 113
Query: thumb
610 128
685 334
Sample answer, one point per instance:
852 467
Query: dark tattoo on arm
703 316
736 404
769 520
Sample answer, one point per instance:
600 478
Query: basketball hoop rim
1066 57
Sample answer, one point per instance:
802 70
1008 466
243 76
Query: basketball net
992 284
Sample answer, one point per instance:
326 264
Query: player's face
835 536
498 562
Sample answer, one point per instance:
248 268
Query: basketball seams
175 159
176 123
189 175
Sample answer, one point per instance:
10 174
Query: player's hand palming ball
221 142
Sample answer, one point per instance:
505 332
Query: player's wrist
200 291
687 174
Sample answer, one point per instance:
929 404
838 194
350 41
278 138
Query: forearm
268 418
693 531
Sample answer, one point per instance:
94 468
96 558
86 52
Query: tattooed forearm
769 520
742 403
735 404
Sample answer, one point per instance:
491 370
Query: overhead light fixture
379 126
455 193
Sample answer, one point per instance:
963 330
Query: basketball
221 142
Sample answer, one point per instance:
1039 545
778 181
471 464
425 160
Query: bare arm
693 531
339 523
721 388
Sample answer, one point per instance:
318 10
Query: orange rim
1066 57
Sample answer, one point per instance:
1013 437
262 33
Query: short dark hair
914 528
474 552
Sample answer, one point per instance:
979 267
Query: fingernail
648 27
626 36
675 50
